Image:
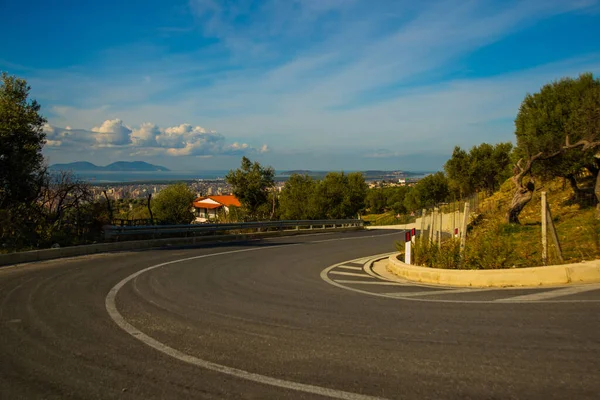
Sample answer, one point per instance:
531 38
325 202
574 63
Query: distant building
207 208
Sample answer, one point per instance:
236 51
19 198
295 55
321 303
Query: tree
357 192
295 200
22 169
557 136
395 198
489 166
458 168
251 185
376 200
173 204
339 196
485 167
429 191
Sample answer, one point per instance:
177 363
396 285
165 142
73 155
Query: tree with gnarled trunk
547 120
523 192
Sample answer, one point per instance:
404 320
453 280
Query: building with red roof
208 207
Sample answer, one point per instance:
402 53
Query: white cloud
112 132
145 135
149 140
179 136
66 137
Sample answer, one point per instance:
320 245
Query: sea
103 177
99 177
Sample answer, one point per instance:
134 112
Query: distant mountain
77 166
303 172
134 166
124 166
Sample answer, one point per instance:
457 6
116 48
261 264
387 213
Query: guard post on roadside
407 247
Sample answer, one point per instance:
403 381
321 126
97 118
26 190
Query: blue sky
296 84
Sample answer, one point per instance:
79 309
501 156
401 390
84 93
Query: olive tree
558 134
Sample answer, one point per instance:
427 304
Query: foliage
379 200
336 196
564 107
484 168
22 170
557 132
428 192
428 254
376 200
489 249
295 199
252 184
339 196
492 243
173 204
131 209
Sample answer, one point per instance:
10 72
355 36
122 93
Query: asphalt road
257 320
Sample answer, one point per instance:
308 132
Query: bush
489 250
427 254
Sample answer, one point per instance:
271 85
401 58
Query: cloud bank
148 139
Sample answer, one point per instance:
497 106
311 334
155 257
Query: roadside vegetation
492 243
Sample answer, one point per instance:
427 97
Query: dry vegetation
578 230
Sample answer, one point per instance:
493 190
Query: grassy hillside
578 230
388 218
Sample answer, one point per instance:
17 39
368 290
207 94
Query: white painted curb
584 272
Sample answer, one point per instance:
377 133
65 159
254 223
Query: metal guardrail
112 232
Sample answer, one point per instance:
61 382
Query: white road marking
350 267
350 274
436 292
369 282
550 294
113 312
342 285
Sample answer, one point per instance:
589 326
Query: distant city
136 180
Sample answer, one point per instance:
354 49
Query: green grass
496 244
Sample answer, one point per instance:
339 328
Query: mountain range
124 166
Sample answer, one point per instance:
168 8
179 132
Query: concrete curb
584 272
73 251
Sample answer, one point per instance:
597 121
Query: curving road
283 318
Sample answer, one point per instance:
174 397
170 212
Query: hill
124 166
577 229
76 166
